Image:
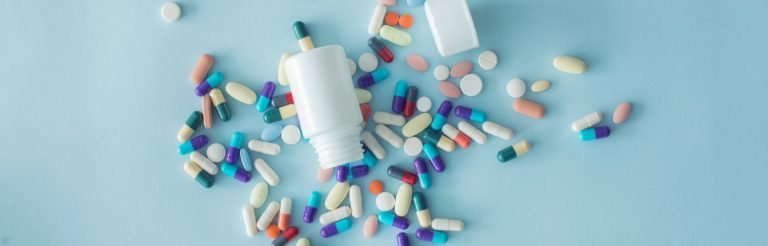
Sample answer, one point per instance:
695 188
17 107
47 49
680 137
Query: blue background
93 93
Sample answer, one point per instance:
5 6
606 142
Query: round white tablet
170 11
487 60
368 62
441 72
412 146
471 84
215 152
424 104
516 88
352 66
290 134
385 201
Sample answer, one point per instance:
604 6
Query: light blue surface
93 93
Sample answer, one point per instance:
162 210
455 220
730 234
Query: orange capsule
405 21
391 18
375 187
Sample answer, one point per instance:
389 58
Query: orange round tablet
405 21
375 187
272 231
391 18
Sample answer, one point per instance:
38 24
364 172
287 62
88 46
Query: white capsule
335 215
389 136
266 172
440 224
403 199
373 145
336 195
388 119
356 201
587 121
377 19
204 163
497 130
473 133
268 215
249 218
264 147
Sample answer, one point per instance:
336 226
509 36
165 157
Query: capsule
287 235
237 173
336 228
220 103
342 172
436 138
204 163
422 211
266 96
278 114
264 147
359 171
434 157
410 100
368 158
284 217
356 201
373 145
200 176
388 119
470 114
267 215
402 239
587 121
300 31
192 144
442 114
245 160
381 49
266 172
457 136
391 219
513 151
401 174
282 100
311 209
441 224
189 127
423 173
335 215
235 144
398 99
431 236
372 78
211 82
594 133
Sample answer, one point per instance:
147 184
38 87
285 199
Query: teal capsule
220 103
513 151
369 159
278 114
194 171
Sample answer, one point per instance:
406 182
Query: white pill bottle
326 104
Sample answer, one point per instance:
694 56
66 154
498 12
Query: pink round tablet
416 62
621 113
460 69
201 68
448 89
323 174
388 2
370 226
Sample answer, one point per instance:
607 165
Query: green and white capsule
189 127
220 103
513 151
194 171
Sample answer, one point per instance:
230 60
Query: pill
528 108
233 151
335 215
249 218
416 62
457 136
272 231
377 18
410 101
342 172
282 100
422 211
568 64
259 194
385 201
271 132
442 115
356 200
281 113
266 172
194 171
268 215
415 3
368 61
193 144
220 104
235 172
417 125
516 88
412 146
365 110
370 226
487 60
497 130
290 134
302 36
403 199
265 97
323 174
358 171
287 235
540 86
434 157
352 66
388 2
282 76
240 92
391 18
207 113
212 81
424 104
473 133
594 133
621 113
363 96
170 11
204 163
402 239
395 36
398 98
587 121
449 89
264 147
336 228
380 49
441 72
436 138
388 119
201 68
405 21
402 175
460 69
215 152
312 205
471 84
421 171
468 113
284 217
389 136
509 153
431 236
440 224
372 78
391 219
375 186
303 242
336 195
245 159
373 145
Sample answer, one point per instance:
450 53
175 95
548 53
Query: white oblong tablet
403 200
376 19
424 104
373 145
389 136
516 88
497 130
367 62
487 60
335 215
266 172
249 218
569 64
259 194
385 201
240 92
473 133
412 146
540 86
441 72
215 152
170 11
417 124
264 147
268 215
290 134
336 195
471 85
356 201
388 118
352 66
